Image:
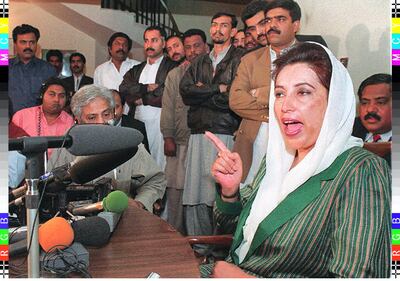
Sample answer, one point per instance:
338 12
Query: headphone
49 82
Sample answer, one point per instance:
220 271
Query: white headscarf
334 138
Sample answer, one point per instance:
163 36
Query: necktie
77 84
376 138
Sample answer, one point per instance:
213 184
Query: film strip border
4 271
396 245
395 8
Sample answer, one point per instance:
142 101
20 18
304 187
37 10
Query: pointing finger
216 141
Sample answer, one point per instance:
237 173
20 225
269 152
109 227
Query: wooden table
143 243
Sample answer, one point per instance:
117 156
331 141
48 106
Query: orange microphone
56 233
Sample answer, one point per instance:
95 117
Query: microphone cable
69 258
17 266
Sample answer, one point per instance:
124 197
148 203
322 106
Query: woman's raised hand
227 169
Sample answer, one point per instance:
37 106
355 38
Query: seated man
139 176
123 120
375 121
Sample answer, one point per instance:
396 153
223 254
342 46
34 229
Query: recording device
116 202
111 218
79 140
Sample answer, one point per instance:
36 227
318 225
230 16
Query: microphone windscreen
90 139
88 168
56 233
91 231
116 202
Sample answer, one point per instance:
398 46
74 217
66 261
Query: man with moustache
123 120
143 86
26 71
55 58
238 40
78 79
110 74
140 177
174 48
175 129
249 43
375 121
205 89
253 17
249 94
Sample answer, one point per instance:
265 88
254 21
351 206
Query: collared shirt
33 121
108 76
149 73
25 81
216 60
384 137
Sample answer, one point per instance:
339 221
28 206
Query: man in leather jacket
205 89
143 86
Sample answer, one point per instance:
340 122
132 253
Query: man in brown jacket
249 94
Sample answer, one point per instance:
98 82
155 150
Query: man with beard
205 89
253 17
143 86
249 43
78 79
175 129
375 121
26 71
174 48
238 40
249 95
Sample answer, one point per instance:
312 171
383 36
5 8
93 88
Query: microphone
82 170
91 231
79 140
54 234
115 202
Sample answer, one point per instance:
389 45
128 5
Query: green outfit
337 224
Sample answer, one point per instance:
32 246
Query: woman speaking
319 205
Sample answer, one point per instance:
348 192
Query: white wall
358 29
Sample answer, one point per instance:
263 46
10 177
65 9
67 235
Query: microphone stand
33 149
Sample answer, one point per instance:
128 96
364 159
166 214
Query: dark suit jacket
69 83
128 121
361 132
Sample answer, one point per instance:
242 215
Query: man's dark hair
378 78
25 29
195 31
120 96
174 36
77 55
156 27
289 5
54 53
234 21
253 8
119 34
49 82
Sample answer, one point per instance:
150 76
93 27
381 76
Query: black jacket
209 108
128 121
131 90
69 83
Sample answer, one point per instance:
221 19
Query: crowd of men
183 89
